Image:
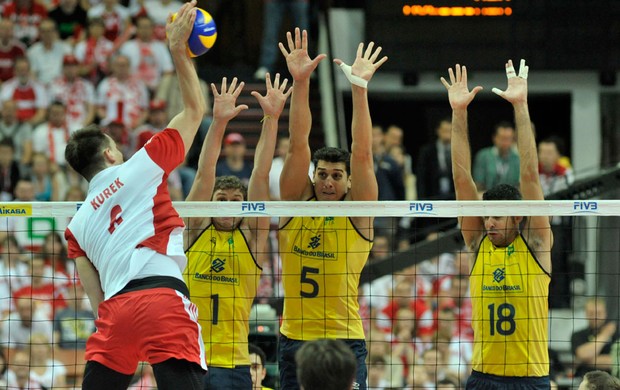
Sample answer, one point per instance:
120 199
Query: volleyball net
413 297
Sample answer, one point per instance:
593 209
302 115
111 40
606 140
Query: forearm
209 154
300 120
193 100
38 117
361 124
460 149
589 352
258 188
89 278
528 157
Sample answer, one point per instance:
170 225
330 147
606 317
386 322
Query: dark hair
83 151
255 349
502 124
332 155
7 142
601 380
502 192
230 183
557 141
325 364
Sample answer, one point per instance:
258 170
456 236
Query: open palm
224 102
458 92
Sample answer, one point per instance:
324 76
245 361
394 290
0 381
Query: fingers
374 55
214 90
291 44
240 108
298 38
268 80
510 70
458 73
360 49
238 90
368 52
224 82
317 59
283 49
338 61
523 70
381 62
498 91
304 39
452 78
464 74
445 83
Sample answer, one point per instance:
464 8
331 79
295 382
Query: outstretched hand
224 102
179 29
299 63
516 92
275 98
458 92
365 64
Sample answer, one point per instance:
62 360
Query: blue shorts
218 378
481 381
288 369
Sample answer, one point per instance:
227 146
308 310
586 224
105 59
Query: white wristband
353 79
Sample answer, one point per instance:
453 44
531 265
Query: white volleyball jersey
127 220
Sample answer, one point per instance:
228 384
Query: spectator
498 164
257 367
149 58
20 371
51 138
599 380
121 97
26 16
76 93
234 163
592 346
116 18
9 170
434 168
389 174
158 11
325 364
14 271
50 373
19 133
46 298
54 252
94 52
22 323
75 323
46 55
45 178
554 177
29 95
71 20
276 168
10 49
273 13
376 373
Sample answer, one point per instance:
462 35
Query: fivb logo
249 208
421 208
585 207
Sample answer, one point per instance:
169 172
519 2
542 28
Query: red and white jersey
52 141
29 97
149 60
8 53
91 51
76 95
127 224
26 20
114 20
122 100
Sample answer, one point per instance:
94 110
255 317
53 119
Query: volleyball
203 35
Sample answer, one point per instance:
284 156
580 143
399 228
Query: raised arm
194 105
460 96
258 189
224 110
538 229
363 179
294 182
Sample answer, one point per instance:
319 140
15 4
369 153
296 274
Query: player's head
90 151
599 380
332 170
325 364
228 189
257 366
502 230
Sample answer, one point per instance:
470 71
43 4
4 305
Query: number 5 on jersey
307 279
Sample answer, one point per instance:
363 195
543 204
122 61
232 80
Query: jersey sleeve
166 149
73 248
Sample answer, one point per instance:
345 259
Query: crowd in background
68 64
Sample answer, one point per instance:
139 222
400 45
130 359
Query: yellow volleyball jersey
322 258
509 291
222 277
